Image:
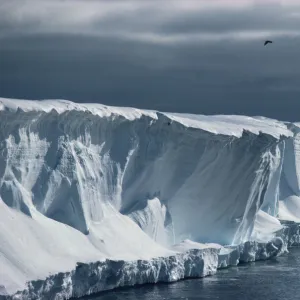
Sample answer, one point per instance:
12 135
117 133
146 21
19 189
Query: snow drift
97 185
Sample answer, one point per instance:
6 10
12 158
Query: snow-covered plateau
94 197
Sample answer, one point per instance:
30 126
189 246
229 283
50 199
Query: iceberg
94 197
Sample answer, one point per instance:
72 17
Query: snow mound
265 226
110 187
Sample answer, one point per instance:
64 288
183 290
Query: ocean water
274 279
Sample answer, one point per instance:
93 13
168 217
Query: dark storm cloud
184 56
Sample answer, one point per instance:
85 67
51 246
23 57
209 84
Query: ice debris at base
97 184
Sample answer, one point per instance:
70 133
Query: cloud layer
190 56
152 21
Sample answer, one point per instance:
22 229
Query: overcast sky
197 56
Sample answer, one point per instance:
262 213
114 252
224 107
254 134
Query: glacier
94 197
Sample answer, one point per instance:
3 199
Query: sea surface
274 279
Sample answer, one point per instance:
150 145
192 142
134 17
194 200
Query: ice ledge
246 252
90 278
202 260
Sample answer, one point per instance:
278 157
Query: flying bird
268 42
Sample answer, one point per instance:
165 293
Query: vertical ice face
21 162
270 204
289 204
176 182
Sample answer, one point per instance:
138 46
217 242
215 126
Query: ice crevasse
93 197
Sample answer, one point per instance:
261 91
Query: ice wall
174 181
289 208
90 182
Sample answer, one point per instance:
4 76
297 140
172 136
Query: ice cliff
137 196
